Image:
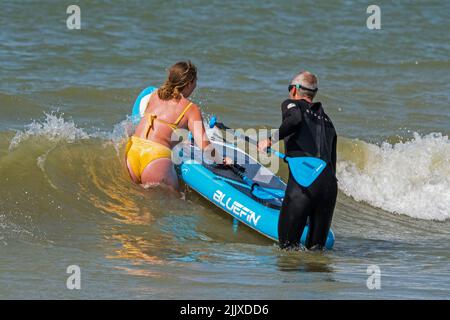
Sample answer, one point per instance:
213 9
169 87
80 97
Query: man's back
314 134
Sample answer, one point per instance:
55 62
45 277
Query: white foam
411 178
54 128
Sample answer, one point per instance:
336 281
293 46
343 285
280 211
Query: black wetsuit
308 131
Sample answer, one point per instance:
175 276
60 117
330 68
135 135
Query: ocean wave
411 178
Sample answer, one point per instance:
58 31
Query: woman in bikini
150 148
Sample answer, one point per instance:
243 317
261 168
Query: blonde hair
180 75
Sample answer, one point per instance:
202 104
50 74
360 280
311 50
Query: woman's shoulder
189 105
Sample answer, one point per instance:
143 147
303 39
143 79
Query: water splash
53 127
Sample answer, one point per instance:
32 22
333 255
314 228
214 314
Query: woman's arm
195 125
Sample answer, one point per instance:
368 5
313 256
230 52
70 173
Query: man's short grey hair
308 80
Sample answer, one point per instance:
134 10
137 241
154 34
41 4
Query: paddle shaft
244 178
220 125
255 188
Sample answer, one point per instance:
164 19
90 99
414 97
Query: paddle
264 194
304 169
257 190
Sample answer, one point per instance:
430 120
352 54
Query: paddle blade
268 193
305 169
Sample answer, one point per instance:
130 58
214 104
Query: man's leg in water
322 214
293 216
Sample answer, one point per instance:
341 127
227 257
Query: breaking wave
411 178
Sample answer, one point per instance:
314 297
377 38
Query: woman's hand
228 161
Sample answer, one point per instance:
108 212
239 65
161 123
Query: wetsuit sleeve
291 119
334 153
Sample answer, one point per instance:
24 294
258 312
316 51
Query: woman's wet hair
180 75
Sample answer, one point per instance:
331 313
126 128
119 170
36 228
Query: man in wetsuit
307 132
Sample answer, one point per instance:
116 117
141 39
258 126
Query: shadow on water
304 261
